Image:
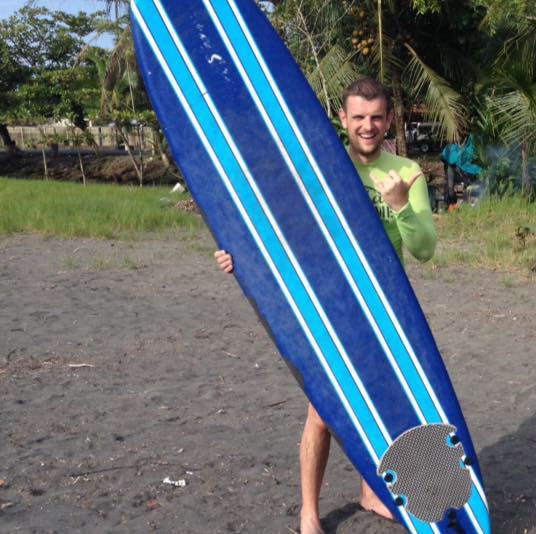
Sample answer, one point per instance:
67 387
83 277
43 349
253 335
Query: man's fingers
224 261
395 176
375 180
222 256
226 267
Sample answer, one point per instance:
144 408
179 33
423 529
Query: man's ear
342 116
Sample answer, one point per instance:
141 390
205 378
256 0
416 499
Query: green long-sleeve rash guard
413 226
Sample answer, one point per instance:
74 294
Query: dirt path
122 364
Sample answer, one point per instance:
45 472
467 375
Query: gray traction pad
428 472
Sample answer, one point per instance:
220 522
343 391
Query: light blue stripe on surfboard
216 126
479 508
246 57
376 459
329 216
277 116
180 71
167 53
226 18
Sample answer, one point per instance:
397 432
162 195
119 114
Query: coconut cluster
362 40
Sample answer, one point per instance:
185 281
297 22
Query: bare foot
378 508
370 502
310 525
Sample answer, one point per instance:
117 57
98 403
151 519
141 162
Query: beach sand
123 363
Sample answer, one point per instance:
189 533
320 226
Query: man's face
367 122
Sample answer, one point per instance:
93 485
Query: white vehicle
422 135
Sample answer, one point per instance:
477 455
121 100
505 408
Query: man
399 193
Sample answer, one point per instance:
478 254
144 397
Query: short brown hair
369 89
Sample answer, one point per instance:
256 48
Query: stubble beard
358 150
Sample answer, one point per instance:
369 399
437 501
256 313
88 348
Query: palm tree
119 7
314 31
119 67
334 42
507 91
416 71
123 97
512 102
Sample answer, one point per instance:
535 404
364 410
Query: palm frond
116 5
515 112
384 54
328 16
444 105
309 28
521 48
97 56
334 72
123 52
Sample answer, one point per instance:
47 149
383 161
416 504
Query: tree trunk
526 183
8 142
81 163
45 165
138 168
399 116
139 132
159 145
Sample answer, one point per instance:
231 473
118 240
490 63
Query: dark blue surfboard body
279 192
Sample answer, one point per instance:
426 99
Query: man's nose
367 123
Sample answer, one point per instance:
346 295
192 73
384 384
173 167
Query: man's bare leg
370 501
314 452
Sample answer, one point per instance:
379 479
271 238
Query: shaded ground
110 166
122 364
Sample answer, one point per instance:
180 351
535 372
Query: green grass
485 236
100 211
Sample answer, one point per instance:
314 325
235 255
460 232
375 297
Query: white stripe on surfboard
310 202
254 233
342 220
479 487
280 98
336 208
473 518
263 249
267 211
268 121
477 484
169 75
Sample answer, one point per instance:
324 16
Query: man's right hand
224 261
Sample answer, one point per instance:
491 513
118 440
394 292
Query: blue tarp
462 156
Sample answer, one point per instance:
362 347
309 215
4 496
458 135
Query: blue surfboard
279 192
